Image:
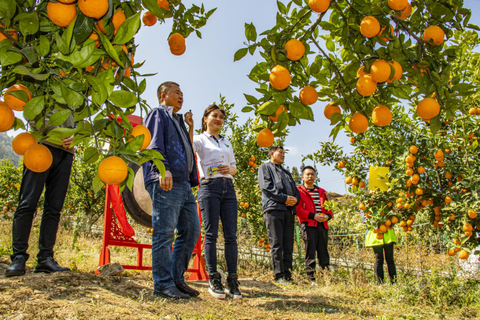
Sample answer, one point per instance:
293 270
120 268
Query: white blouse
212 153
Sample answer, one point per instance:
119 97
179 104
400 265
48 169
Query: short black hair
164 88
274 148
309 167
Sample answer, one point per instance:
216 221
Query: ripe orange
369 27
330 109
7 118
149 19
361 71
61 14
265 138
472 214
295 49
352 140
10 31
381 116
366 86
112 170
451 252
419 191
178 52
413 149
362 206
439 155
428 108
38 158
280 109
409 172
463 254
382 228
142 130
472 111
397 5
341 164
380 71
415 178
22 142
405 12
319 5
348 180
397 75
448 199
358 123
467 227
280 77
117 20
163 4
390 31
308 95
448 175
362 184
13 102
379 236
394 219
434 35
93 8
354 181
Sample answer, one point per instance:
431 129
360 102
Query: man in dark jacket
314 219
279 196
173 204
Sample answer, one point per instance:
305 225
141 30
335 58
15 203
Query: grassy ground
342 294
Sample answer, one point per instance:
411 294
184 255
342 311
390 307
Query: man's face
309 176
278 156
173 98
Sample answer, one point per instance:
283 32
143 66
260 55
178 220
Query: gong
137 201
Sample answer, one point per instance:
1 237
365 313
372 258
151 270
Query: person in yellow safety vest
382 247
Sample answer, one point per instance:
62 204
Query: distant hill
6 151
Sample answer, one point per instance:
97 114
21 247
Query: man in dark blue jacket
173 204
279 197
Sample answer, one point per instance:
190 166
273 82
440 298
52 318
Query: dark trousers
55 180
218 201
280 230
316 246
379 257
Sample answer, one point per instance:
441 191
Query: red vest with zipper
306 205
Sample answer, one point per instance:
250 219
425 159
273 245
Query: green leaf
247 109
268 108
251 99
110 49
97 184
250 32
24 71
435 124
123 99
330 45
61 133
300 111
83 28
73 98
29 23
281 7
128 29
43 46
91 155
79 57
59 117
68 34
240 54
34 107
7 9
9 57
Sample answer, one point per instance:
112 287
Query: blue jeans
174 209
217 200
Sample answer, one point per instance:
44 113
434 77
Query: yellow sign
377 178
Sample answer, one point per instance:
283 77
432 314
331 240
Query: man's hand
166 182
320 217
224 169
291 201
189 119
67 142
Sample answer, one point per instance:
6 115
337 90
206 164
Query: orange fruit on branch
38 158
93 8
369 27
390 31
380 71
366 86
405 12
330 109
463 254
308 95
358 123
265 138
381 116
361 71
295 49
472 214
149 19
280 77
434 35
163 4
428 108
397 5
280 109
319 5
13 102
7 117
142 130
118 19
22 142
112 170
397 75
61 14
413 149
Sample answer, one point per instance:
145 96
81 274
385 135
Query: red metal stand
113 236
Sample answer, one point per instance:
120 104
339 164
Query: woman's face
214 120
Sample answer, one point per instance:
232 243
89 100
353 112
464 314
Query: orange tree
367 58
78 58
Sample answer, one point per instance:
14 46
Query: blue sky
207 70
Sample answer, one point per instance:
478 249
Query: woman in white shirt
217 199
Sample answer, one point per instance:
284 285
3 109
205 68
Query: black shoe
232 286
184 288
216 288
171 293
49 266
17 268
